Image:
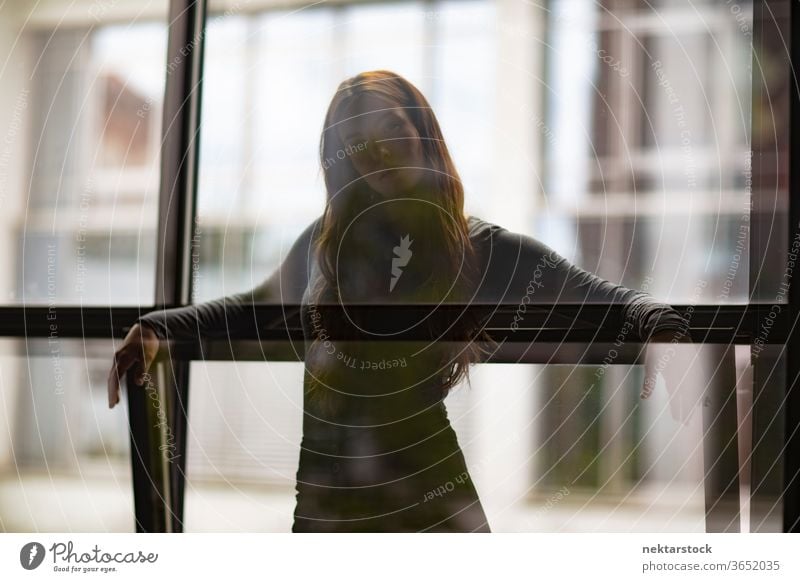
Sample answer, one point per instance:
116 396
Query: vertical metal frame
775 461
721 478
791 489
158 449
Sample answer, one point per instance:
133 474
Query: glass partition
616 132
80 121
64 459
550 447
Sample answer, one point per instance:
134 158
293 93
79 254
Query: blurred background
616 131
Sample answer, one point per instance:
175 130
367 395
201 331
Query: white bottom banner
388 557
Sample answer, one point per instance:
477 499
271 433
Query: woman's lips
387 173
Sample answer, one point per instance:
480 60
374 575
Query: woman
378 452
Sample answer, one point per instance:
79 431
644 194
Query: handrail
561 322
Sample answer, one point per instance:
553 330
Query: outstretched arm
521 270
220 316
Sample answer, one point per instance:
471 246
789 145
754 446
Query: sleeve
520 269
218 317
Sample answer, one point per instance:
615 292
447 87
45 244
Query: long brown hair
347 195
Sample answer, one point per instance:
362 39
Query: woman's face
384 146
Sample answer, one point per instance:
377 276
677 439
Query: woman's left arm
521 269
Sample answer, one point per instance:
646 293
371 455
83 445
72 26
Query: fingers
113 384
680 406
683 396
113 387
677 386
675 405
649 385
123 360
138 370
137 352
678 370
650 373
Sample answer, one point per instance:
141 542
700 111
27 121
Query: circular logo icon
31 555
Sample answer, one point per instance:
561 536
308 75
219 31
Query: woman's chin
387 191
396 184
389 188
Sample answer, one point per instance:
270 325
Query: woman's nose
380 152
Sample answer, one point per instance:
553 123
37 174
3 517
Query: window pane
651 110
258 168
64 457
551 448
574 124
617 132
81 120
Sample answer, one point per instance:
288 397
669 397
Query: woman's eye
394 125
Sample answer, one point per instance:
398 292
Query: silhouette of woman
378 452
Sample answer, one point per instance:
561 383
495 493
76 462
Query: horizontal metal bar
541 322
544 352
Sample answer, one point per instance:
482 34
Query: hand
665 359
138 351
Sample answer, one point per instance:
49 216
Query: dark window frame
159 485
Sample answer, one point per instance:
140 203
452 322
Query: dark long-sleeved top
388 459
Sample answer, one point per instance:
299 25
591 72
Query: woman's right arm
286 284
220 316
